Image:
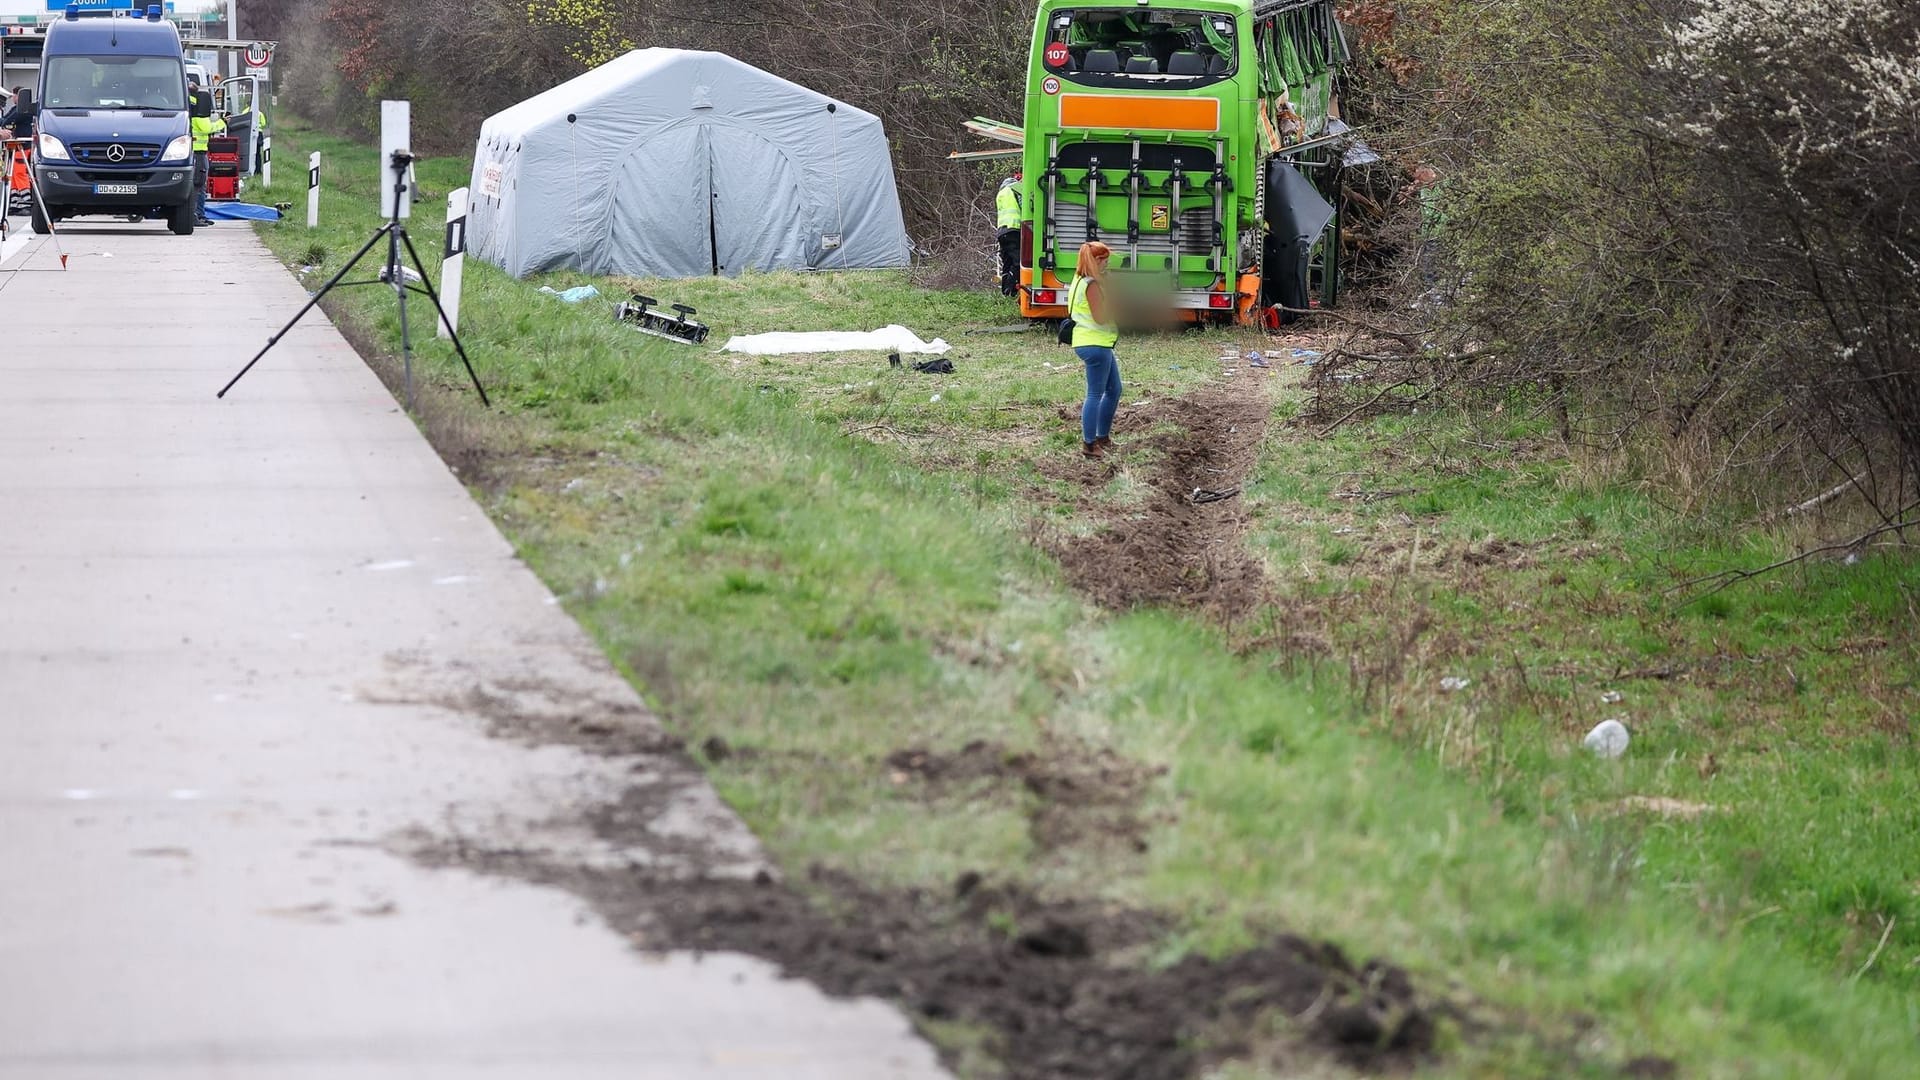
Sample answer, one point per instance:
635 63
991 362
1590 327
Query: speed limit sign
258 54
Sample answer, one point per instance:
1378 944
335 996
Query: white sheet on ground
891 338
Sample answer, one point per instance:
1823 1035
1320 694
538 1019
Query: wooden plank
993 129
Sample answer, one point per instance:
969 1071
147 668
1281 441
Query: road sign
258 54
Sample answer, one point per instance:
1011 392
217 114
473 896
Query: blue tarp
239 211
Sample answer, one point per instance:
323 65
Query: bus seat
1217 64
1102 60
1186 62
1142 65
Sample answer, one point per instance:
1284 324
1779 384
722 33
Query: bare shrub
1673 243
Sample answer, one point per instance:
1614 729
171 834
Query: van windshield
115 82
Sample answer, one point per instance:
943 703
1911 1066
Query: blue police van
112 130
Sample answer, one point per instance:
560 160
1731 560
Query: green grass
814 559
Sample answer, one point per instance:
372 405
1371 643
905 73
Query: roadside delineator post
313 190
453 259
266 162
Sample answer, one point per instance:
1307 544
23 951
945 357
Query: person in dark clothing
16 122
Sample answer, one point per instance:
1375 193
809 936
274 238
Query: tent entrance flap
664 213
759 213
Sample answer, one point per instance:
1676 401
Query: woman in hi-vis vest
1095 333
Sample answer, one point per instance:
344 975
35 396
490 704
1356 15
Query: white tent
673 163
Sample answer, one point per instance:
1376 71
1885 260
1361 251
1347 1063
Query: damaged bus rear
1200 140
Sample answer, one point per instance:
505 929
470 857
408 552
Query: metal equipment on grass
680 326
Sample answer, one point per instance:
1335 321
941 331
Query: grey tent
673 163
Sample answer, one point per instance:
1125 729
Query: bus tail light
1220 301
1026 243
1046 296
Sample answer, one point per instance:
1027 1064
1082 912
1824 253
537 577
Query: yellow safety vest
205 126
1008 204
1085 330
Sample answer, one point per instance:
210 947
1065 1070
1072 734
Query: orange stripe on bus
1140 113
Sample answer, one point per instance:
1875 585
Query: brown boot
1093 450
1104 442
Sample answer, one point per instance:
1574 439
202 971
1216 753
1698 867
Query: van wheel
180 220
38 214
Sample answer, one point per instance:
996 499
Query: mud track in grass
1056 987
1180 546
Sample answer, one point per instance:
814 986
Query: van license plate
116 189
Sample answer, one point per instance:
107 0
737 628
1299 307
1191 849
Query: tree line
923 68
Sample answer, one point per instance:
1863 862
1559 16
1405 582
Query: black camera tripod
394 274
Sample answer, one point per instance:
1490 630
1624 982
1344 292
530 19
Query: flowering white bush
1841 76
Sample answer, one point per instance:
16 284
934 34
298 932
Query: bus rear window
1139 47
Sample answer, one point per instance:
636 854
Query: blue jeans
1103 391
199 183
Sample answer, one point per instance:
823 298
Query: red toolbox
223 167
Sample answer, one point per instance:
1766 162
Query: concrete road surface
238 639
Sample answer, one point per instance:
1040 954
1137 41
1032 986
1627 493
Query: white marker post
454 258
313 190
396 119
266 161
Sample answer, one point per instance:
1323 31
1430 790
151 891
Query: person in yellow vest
1095 332
1006 206
205 126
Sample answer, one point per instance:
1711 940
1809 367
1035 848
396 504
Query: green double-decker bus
1200 140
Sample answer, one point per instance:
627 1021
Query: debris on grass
1609 738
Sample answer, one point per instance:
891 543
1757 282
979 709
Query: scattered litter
1305 356
1256 360
1454 682
1612 697
1207 495
933 399
407 273
1609 738
1141 404
573 295
940 366
574 484
892 337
